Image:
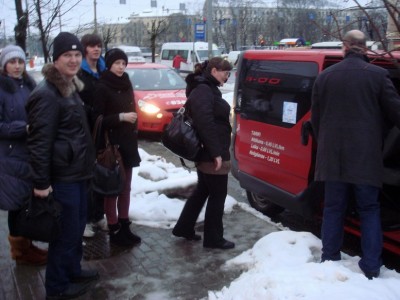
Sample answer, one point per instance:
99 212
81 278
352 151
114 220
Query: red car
159 92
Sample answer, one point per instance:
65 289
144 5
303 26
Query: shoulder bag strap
97 128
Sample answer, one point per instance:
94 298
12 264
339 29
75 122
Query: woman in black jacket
115 101
210 114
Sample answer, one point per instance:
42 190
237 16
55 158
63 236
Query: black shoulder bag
109 172
181 138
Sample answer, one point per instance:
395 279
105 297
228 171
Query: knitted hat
65 42
10 52
114 54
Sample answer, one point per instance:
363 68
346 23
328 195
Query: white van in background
372 45
134 54
233 57
192 52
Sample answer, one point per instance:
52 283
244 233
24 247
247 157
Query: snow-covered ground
281 265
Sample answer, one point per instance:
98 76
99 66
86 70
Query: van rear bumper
306 204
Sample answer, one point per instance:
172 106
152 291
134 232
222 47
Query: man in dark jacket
350 103
62 158
93 65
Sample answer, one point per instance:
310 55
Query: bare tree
108 32
46 16
157 27
22 25
378 20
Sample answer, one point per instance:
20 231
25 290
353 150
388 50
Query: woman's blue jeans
65 253
337 196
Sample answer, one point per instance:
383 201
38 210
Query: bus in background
192 52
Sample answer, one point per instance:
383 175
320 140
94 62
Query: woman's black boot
117 236
127 231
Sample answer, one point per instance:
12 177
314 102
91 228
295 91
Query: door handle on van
306 131
242 115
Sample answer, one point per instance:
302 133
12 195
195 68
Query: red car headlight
147 107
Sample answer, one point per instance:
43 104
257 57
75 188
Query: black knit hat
114 54
64 42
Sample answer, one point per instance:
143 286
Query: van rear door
273 101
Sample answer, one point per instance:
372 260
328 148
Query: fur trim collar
10 85
66 88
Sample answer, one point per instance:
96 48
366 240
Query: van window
203 54
170 54
276 92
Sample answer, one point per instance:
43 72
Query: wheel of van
263 204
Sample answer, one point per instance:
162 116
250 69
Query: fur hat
10 52
65 42
114 54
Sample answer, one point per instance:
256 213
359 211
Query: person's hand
217 162
42 193
130 117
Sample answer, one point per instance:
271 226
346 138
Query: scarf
115 82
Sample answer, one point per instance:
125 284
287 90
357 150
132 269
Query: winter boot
117 237
127 231
22 252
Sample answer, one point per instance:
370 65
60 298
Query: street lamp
209 26
3 22
95 16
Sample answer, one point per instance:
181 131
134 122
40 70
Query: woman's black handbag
108 174
40 219
181 137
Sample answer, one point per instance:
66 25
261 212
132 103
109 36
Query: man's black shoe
86 276
73 291
371 275
224 244
189 237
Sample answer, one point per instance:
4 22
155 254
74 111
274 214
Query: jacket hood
65 87
10 85
101 67
193 80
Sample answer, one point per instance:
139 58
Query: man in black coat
351 102
62 158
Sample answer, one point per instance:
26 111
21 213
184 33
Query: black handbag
40 219
109 172
181 137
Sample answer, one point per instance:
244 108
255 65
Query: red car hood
165 100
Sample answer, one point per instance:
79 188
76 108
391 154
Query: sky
106 11
292 270
109 11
